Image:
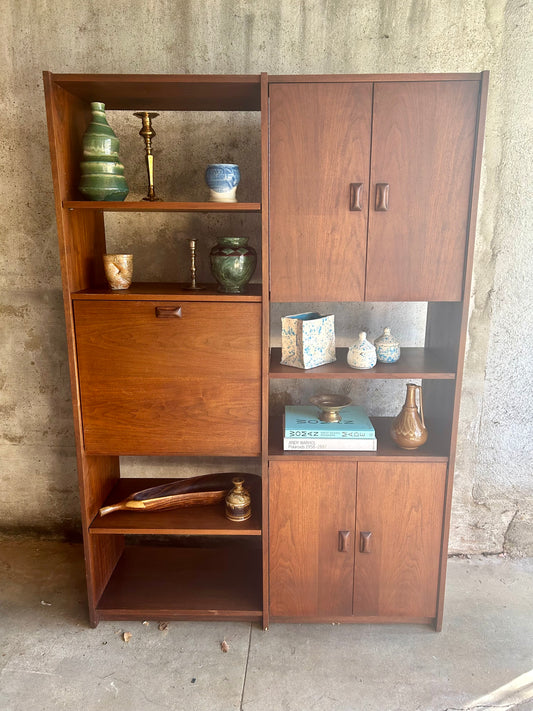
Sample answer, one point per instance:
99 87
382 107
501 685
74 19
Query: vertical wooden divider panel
81 239
265 335
436 321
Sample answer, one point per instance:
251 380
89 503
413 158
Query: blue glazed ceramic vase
222 180
233 263
102 174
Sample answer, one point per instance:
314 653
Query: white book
350 445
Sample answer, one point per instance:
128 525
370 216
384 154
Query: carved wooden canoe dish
194 491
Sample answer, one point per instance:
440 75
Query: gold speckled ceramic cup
118 270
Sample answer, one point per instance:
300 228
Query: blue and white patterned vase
307 340
387 347
362 354
222 180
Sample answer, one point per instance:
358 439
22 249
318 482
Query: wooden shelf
166 92
198 520
414 363
435 449
166 583
159 291
145 206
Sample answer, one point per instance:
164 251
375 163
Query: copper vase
408 429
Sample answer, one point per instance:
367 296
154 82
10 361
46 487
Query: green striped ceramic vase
102 174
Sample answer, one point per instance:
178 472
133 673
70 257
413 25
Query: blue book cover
302 422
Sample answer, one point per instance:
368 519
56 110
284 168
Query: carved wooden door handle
343 541
168 311
364 543
356 195
382 197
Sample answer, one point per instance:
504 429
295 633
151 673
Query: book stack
303 430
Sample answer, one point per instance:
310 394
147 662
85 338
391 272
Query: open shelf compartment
195 520
164 583
166 92
435 450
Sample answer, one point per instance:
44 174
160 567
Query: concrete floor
50 659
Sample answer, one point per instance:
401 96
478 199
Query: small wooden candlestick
193 285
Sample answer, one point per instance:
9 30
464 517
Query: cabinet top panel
332 78
165 92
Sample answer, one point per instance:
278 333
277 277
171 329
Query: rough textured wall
493 491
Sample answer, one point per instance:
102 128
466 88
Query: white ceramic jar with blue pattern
222 180
387 347
362 354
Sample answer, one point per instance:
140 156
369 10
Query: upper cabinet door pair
370 189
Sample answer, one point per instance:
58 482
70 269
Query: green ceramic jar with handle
102 174
233 263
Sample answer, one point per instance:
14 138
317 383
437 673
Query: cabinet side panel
309 507
68 118
319 145
102 554
401 507
423 147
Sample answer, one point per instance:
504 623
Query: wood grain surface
310 503
319 145
188 385
423 146
402 506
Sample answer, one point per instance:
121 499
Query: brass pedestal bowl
330 406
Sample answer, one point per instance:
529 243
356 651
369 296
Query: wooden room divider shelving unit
369 193
219 573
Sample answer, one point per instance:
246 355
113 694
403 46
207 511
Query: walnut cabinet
363 543
370 189
368 193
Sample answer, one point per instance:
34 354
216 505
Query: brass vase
408 429
238 502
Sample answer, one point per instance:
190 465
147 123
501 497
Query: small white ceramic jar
362 354
387 347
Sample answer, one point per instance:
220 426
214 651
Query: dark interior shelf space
413 363
179 583
161 206
195 520
166 92
161 291
435 449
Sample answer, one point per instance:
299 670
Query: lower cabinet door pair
359 540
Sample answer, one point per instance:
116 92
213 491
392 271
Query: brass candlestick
147 132
193 285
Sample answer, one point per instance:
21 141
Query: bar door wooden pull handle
356 194
343 541
382 197
168 311
365 542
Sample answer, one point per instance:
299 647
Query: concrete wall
493 492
